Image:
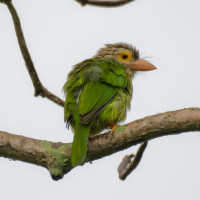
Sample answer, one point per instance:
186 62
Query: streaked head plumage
125 54
121 52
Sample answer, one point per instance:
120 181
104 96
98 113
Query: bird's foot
113 127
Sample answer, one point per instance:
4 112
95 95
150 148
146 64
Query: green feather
98 93
79 145
94 95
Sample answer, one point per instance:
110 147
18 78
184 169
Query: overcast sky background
60 34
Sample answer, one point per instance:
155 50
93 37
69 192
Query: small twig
127 166
124 163
104 3
40 90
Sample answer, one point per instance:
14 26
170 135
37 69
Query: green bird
98 93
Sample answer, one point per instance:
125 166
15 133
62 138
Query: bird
98 93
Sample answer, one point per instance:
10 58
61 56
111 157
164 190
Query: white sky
60 34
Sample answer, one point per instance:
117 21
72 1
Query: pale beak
141 65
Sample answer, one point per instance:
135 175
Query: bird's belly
114 113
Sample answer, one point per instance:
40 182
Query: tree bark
56 156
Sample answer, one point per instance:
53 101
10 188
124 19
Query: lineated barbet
98 93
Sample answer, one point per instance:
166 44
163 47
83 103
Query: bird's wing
93 99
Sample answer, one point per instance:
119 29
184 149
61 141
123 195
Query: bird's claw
113 127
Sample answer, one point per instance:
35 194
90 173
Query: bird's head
125 54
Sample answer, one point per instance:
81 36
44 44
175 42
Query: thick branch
39 88
56 156
112 3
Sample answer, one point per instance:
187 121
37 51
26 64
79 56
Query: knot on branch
40 92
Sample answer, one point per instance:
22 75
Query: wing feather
94 98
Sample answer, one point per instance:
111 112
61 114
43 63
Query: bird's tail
79 145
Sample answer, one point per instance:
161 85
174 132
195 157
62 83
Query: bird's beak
141 65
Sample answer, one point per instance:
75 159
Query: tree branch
40 90
56 156
127 165
112 3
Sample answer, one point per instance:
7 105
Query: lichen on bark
59 161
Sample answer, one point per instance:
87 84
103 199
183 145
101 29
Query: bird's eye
124 56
